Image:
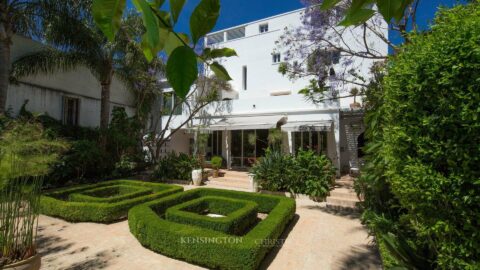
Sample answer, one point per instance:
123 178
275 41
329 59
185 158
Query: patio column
227 149
290 142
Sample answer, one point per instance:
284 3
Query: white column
336 130
290 142
227 149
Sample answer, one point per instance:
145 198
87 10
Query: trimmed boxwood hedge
207 247
57 203
239 214
101 194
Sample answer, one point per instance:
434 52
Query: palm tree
16 17
76 41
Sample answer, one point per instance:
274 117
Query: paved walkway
318 238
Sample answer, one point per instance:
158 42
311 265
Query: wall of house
45 92
255 52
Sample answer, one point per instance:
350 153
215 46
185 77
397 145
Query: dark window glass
70 111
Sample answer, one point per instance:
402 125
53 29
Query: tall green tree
16 17
77 41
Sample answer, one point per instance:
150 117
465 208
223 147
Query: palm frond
46 61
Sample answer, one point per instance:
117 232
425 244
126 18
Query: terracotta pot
32 263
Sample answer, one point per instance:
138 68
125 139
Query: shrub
109 194
239 214
216 162
58 203
222 250
307 173
273 171
429 144
176 167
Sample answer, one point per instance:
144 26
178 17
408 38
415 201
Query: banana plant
160 36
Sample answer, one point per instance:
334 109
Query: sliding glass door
247 146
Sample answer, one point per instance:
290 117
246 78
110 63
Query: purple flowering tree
336 58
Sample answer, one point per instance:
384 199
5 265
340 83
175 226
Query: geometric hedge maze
211 227
102 202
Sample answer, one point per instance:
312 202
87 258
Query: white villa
265 99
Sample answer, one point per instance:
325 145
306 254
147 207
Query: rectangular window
244 77
169 102
70 111
276 58
236 33
263 28
310 140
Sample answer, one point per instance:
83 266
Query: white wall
45 92
255 52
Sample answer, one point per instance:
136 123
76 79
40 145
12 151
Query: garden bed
208 245
103 202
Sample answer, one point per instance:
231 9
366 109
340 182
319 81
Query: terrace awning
248 122
325 125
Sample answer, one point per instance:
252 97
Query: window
70 111
244 77
169 99
310 140
276 58
236 33
214 145
263 28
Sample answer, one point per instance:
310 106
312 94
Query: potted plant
197 171
26 154
355 105
216 164
19 210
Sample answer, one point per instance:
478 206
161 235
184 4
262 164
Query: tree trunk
104 112
4 73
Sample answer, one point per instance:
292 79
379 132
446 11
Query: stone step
213 181
343 193
234 173
230 180
342 202
344 183
221 186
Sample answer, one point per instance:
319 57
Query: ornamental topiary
432 138
209 246
103 202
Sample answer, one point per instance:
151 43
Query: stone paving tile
318 238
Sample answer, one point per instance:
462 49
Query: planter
253 183
32 263
197 177
215 173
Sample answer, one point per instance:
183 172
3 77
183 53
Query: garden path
318 238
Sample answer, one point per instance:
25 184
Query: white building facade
72 97
264 99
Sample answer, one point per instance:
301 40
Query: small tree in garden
336 40
421 187
204 93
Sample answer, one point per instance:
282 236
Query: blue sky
235 12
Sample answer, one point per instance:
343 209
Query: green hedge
239 214
110 194
206 247
57 203
423 177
